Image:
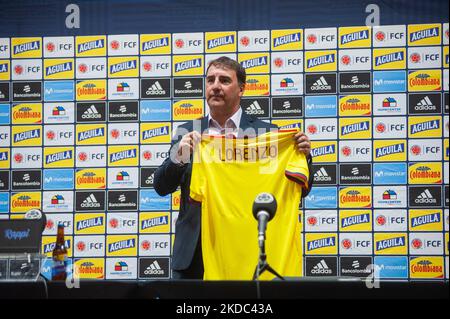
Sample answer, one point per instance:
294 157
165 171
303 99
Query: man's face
223 93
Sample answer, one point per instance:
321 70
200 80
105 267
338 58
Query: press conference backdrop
87 114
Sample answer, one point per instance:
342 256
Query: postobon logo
188 65
425 34
425 80
155 44
320 61
123 67
287 40
425 173
351 37
26 47
220 42
22 202
90 46
426 267
390 244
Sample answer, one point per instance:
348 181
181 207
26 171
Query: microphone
38 215
264 208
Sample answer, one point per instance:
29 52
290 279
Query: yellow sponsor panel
324 151
316 61
425 126
257 85
389 150
5 70
186 110
155 44
426 220
355 105
89 268
155 133
355 128
89 224
289 124
27 113
424 34
121 245
90 46
446 149
176 198
91 90
286 40
424 80
30 135
91 134
445 57
158 222
355 37
26 47
425 173
49 242
5 157
57 69
255 62
389 59
355 197
23 202
90 178
186 65
123 155
119 67
426 267
59 157
355 220
320 244
446 243
391 243
219 42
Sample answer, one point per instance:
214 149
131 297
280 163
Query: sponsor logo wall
86 120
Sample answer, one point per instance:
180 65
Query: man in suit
225 81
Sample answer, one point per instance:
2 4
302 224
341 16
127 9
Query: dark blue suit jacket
169 176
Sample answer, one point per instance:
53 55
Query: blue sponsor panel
5 114
321 197
4 203
321 106
59 91
47 264
389 81
391 267
160 110
58 179
390 173
151 201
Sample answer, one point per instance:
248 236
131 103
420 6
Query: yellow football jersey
227 175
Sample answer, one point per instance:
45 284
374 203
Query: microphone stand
262 263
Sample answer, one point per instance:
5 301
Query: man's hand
303 143
186 146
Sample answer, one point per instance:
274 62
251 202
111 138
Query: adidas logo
322 176
90 202
122 109
354 79
188 85
355 171
154 269
26 177
321 85
425 198
286 104
91 113
156 89
355 264
425 105
27 89
122 198
149 180
254 109
321 268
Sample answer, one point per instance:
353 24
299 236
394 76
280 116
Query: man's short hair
226 62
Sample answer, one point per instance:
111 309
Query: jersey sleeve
297 169
198 179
